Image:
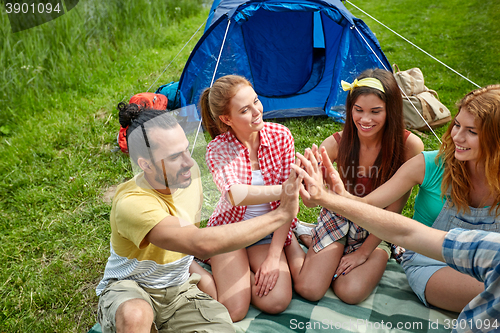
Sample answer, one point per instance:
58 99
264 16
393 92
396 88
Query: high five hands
320 177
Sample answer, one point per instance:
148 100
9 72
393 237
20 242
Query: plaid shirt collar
264 136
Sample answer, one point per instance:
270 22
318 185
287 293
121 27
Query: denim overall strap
476 218
419 268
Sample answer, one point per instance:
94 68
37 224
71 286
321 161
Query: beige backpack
425 100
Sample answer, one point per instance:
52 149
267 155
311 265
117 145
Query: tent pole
413 105
213 78
220 53
427 53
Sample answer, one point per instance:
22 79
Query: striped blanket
392 307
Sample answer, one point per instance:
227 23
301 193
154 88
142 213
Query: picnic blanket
392 307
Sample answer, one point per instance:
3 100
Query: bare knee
134 315
275 305
350 293
237 311
352 298
310 291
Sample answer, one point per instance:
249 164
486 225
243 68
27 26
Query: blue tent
294 52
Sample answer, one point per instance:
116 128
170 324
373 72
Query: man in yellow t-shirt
147 281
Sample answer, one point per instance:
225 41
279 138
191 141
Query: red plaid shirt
229 163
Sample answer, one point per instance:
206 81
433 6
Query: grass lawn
60 83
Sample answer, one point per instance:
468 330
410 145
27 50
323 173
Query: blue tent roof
228 7
295 52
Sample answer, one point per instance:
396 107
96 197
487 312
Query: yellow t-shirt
136 209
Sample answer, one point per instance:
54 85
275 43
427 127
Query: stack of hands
318 174
319 180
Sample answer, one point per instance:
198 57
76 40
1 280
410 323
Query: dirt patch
108 194
106 147
102 113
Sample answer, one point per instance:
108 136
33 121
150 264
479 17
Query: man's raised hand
289 201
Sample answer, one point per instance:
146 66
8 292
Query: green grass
59 85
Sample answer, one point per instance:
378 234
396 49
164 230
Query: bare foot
306 240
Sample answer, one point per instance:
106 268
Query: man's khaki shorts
184 308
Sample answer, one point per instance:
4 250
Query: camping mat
392 307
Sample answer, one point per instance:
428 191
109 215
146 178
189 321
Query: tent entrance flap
282 40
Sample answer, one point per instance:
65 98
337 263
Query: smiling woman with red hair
459 188
483 105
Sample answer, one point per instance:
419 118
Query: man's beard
163 178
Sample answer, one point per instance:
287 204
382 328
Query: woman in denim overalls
459 187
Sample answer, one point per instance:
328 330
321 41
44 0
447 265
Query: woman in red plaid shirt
369 150
249 160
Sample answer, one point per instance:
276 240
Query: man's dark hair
140 121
